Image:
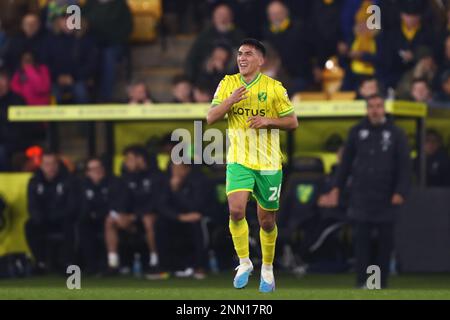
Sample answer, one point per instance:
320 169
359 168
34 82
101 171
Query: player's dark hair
180 79
94 158
50 152
137 150
419 80
367 79
258 45
375 96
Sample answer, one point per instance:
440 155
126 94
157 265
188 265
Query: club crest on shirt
363 134
262 96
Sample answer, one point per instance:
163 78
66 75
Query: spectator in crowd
404 41
29 39
138 93
379 185
9 133
203 93
32 81
222 30
12 13
111 23
421 91
181 90
445 62
350 11
97 196
216 66
361 54
140 204
72 58
3 45
54 9
425 68
288 37
183 208
367 87
438 161
442 97
51 209
324 33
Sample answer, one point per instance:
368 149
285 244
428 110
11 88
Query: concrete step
154 55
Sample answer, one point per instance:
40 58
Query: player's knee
110 222
237 212
267 224
148 222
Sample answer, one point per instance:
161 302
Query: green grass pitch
218 287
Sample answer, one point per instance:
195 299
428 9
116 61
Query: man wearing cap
376 167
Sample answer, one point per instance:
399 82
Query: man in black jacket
51 208
142 183
97 196
376 157
183 207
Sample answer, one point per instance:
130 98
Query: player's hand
397 200
329 200
238 95
258 122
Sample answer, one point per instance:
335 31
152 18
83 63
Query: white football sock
154 260
113 260
245 260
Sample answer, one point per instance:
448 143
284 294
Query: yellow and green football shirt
266 97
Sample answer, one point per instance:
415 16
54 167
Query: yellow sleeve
221 94
283 104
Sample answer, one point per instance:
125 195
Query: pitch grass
219 287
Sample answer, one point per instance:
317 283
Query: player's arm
288 122
218 112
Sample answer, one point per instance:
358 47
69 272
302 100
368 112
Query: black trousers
38 234
181 245
92 245
373 244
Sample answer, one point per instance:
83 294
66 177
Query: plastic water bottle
137 265
213 265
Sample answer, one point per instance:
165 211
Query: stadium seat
146 16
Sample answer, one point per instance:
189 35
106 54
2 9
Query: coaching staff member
377 168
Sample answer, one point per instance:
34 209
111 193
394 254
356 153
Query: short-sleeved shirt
255 149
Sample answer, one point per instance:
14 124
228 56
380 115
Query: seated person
138 93
367 87
438 161
142 182
183 208
51 208
97 196
181 90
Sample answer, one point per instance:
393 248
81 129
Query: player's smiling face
249 60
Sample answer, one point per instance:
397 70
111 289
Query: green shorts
264 185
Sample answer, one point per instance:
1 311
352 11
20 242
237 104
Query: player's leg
267 194
149 222
237 202
240 182
112 226
268 234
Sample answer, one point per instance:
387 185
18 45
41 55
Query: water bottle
213 265
137 265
